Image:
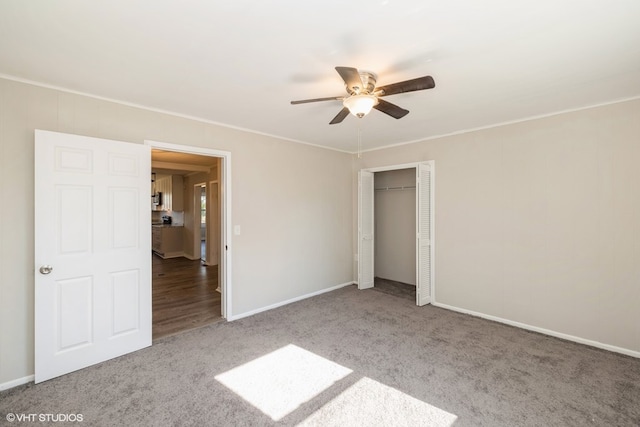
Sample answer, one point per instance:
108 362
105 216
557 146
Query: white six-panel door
92 251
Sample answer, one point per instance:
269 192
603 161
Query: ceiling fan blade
330 98
421 83
341 116
351 77
391 109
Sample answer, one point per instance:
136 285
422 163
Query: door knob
46 269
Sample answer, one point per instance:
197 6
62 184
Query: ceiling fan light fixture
360 105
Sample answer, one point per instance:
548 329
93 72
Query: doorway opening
190 287
200 199
418 179
395 231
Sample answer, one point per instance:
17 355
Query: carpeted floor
346 358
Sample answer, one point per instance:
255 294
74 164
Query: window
203 205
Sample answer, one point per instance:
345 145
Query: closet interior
395 230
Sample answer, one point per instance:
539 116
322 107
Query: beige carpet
348 358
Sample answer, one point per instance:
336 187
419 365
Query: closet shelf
412 187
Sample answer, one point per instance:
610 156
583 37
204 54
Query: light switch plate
236 230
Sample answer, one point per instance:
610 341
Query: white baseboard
289 301
16 382
209 264
567 337
193 258
173 255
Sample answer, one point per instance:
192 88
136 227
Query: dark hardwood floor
184 295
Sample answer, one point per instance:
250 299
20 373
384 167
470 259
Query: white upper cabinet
172 189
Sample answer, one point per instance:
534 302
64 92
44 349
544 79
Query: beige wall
539 222
292 201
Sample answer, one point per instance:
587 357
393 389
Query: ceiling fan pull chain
359 141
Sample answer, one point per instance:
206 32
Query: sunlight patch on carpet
368 402
279 382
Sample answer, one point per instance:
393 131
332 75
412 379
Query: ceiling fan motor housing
368 84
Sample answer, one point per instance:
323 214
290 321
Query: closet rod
395 188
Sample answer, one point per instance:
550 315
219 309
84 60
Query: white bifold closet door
366 227
424 235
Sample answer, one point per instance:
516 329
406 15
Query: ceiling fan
363 95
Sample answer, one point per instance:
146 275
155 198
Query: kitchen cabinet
172 189
166 240
156 239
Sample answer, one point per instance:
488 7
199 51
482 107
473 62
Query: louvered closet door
365 230
424 241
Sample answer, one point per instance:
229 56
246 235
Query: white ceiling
240 63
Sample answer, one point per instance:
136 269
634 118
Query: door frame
197 240
211 228
226 247
414 165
